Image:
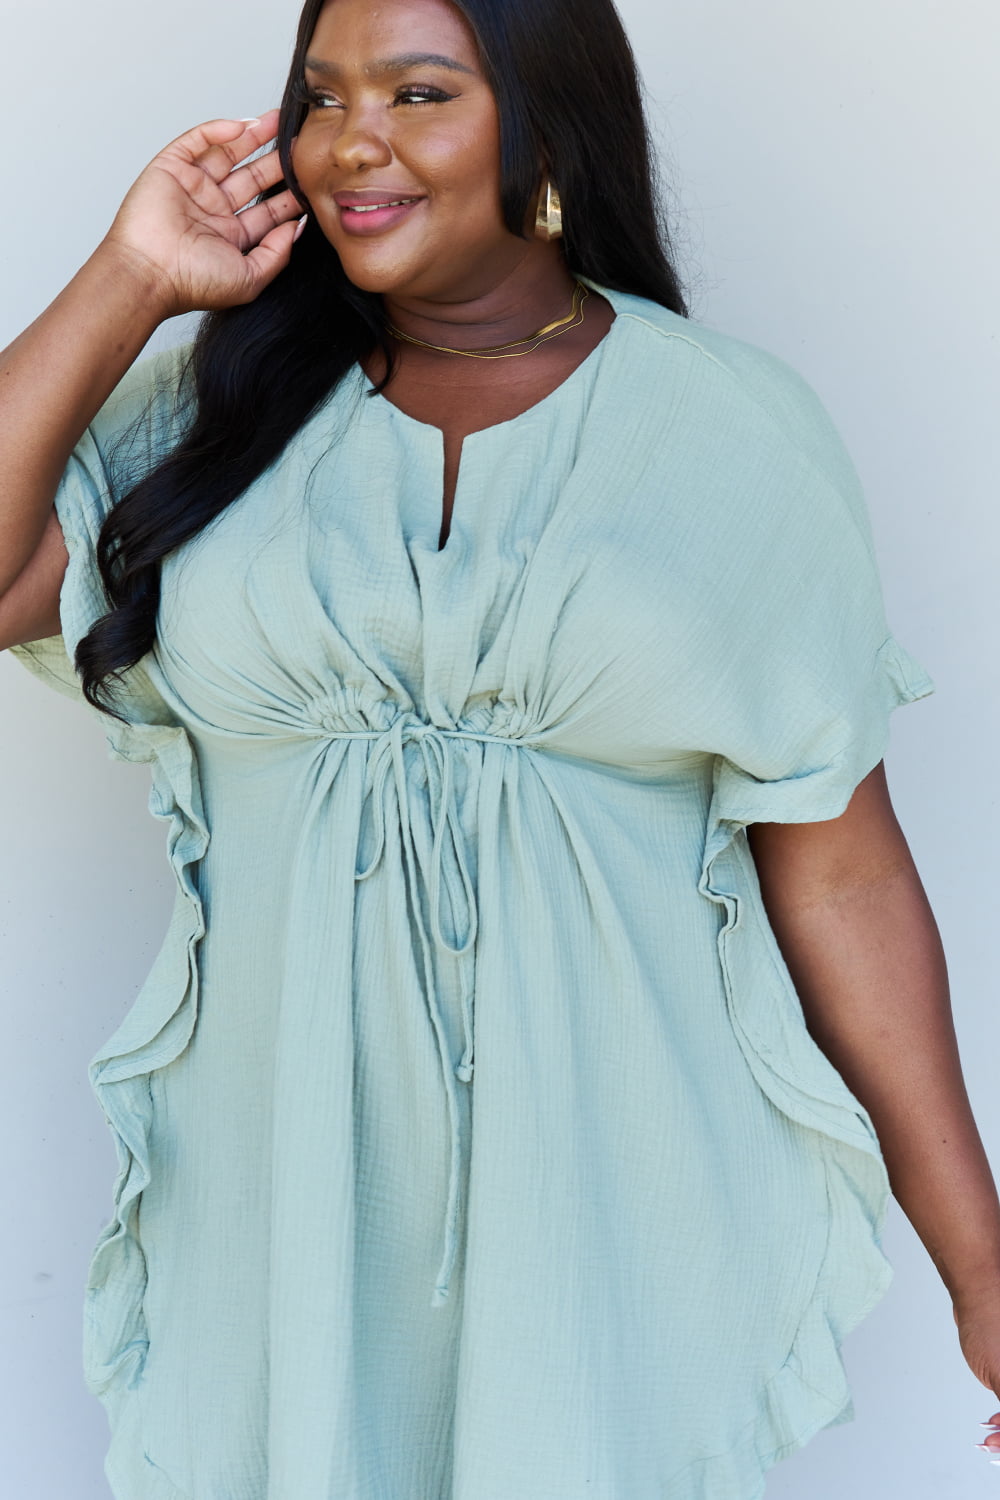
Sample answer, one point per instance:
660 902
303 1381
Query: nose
359 145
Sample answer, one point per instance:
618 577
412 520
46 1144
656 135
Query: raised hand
185 222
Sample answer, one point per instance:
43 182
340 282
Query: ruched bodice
472 1142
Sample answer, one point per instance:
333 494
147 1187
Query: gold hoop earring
548 218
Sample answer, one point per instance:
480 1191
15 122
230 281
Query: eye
422 94
314 99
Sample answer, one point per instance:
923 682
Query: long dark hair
568 93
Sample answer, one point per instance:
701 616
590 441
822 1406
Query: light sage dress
472 1143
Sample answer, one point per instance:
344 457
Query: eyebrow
400 64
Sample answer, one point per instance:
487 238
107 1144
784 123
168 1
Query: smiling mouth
367 219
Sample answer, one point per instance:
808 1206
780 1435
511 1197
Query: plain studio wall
834 178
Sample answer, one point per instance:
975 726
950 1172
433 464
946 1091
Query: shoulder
742 391
734 367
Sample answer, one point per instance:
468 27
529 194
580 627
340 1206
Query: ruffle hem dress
472 1145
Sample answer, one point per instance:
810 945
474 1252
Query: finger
247 182
220 145
239 138
197 185
257 222
217 199
272 255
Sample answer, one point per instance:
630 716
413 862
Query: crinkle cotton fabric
472 1143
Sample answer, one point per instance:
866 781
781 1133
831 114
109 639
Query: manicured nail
302 224
985 1448
249 119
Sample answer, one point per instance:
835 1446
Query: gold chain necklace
573 319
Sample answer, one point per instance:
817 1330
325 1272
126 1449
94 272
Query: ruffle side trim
153 1034
810 1391
161 1021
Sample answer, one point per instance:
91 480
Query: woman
518 730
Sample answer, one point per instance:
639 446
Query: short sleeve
140 422
807 669
805 769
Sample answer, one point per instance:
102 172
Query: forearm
867 961
53 380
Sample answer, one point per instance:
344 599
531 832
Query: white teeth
370 208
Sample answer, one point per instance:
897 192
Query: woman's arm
183 240
860 941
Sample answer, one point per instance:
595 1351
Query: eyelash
418 94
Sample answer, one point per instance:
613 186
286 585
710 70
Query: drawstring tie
387 769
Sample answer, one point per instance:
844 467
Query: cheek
309 157
467 161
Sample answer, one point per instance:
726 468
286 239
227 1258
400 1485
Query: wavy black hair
568 94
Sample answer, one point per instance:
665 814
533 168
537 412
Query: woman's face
399 154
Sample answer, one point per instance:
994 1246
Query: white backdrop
834 176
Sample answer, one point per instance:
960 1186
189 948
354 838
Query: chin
394 281
369 279
370 273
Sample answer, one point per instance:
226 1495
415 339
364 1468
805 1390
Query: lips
374 197
374 209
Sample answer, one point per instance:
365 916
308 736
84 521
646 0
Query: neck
499 310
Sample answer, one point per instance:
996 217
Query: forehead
365 31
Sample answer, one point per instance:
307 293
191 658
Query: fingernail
249 119
985 1448
302 224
